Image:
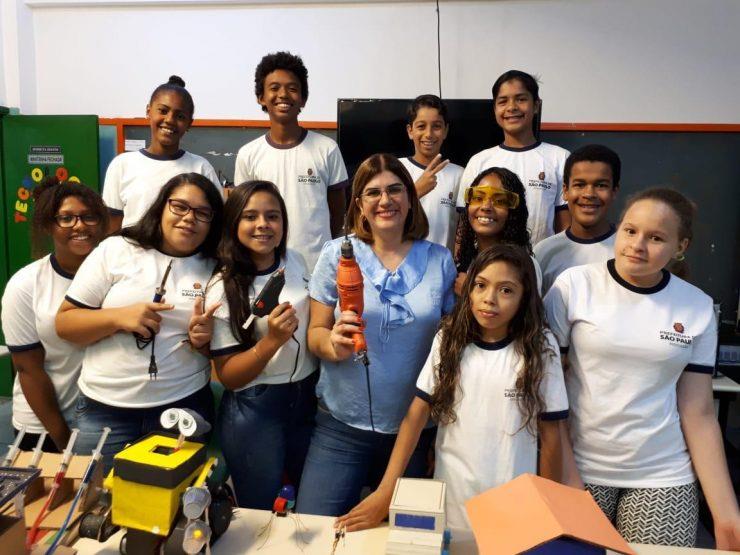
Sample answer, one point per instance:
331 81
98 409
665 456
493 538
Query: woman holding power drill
407 288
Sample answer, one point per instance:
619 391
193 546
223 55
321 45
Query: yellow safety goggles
481 194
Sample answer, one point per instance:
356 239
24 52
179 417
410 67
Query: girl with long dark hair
142 357
492 383
266 368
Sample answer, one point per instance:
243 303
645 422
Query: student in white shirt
133 179
495 212
127 380
306 167
516 108
436 180
498 387
590 186
641 347
266 415
47 367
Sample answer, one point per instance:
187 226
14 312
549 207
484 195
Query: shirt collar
393 286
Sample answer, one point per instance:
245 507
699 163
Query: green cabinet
33 148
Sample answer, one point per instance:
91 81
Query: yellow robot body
148 479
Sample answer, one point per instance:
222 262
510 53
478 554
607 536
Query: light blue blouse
402 311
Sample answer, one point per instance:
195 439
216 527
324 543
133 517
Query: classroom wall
599 60
17 57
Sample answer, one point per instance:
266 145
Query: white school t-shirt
114 371
486 445
30 304
540 168
280 367
303 173
439 203
133 180
627 348
564 250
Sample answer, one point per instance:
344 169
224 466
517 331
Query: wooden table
241 539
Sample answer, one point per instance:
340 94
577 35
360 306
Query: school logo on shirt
196 291
677 337
512 393
447 201
540 182
309 177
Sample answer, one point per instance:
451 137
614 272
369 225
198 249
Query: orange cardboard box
531 512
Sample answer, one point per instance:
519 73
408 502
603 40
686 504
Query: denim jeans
264 432
128 425
342 460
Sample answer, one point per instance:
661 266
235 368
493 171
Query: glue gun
351 291
267 299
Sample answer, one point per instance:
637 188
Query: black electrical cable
297 356
439 54
369 394
142 343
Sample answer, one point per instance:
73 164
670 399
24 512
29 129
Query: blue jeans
128 425
342 460
264 432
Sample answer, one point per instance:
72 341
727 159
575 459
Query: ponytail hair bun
176 80
175 84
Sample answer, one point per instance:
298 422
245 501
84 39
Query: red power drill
351 294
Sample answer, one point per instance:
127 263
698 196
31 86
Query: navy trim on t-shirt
415 163
115 211
564 350
423 395
495 345
561 207
58 269
641 290
240 348
699 369
599 239
273 144
24 348
267 271
163 157
79 304
556 415
520 148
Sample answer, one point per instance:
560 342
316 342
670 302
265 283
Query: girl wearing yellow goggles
481 194
495 212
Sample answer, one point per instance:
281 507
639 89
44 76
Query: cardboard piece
531 512
37 492
12 535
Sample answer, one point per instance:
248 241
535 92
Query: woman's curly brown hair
527 329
